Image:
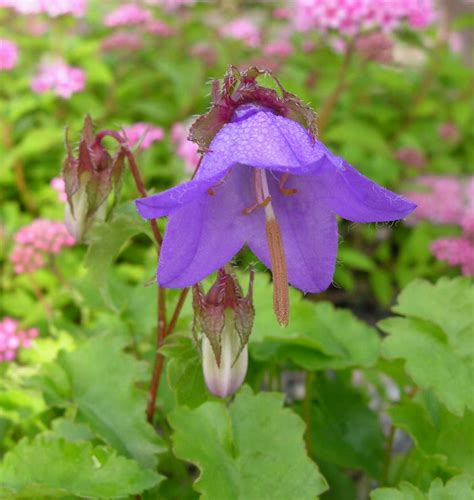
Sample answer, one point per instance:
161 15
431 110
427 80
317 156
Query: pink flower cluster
185 149
279 48
12 338
52 8
147 133
59 78
456 252
35 241
444 199
122 40
126 15
8 54
242 29
449 200
59 186
353 16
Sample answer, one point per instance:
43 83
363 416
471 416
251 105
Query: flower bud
89 178
226 319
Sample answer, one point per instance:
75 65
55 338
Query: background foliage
366 393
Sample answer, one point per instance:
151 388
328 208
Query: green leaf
430 361
100 380
318 336
355 259
448 304
107 239
457 488
438 432
252 450
184 371
54 467
345 431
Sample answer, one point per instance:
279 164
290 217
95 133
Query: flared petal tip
144 209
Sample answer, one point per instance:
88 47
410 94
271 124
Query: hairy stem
331 101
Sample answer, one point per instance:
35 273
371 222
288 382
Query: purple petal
354 197
309 232
205 234
166 202
262 139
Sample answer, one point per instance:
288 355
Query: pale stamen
276 248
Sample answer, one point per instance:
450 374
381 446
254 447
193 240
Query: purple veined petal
354 197
206 233
261 139
166 202
309 232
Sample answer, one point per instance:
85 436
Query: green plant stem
307 404
388 454
390 442
331 101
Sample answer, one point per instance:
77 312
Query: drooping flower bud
89 178
225 318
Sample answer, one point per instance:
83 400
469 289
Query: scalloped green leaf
430 361
44 468
457 488
448 304
318 336
251 450
100 380
438 433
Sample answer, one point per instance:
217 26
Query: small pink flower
456 252
280 48
8 54
449 132
375 47
281 13
52 8
35 241
12 338
159 28
122 40
350 17
145 132
185 149
411 157
58 185
242 29
126 15
59 78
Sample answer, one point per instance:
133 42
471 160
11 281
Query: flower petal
309 231
166 202
262 139
205 234
354 197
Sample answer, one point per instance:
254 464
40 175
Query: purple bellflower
265 181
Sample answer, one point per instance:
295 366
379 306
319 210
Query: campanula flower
267 182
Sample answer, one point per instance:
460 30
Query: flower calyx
225 318
241 87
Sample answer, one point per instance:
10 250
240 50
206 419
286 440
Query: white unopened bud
225 378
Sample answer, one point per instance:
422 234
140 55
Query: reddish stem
163 332
141 189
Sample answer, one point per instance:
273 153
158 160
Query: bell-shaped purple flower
265 181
